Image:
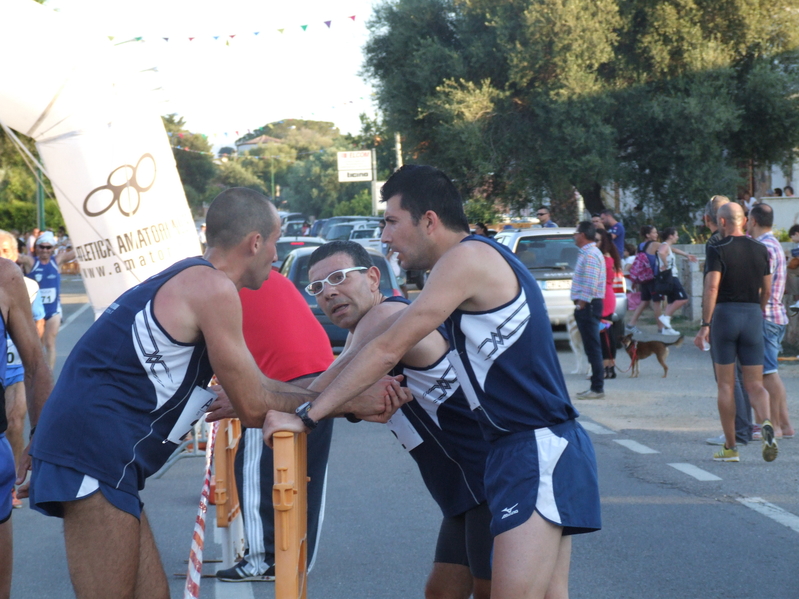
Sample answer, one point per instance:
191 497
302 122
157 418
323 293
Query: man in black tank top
737 288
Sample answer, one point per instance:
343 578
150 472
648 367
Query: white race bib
195 407
407 435
48 294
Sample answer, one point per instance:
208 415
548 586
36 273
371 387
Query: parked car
288 244
316 227
341 231
295 268
335 220
550 255
368 238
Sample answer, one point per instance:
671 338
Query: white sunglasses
336 277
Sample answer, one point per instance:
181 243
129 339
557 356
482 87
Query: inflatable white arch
104 149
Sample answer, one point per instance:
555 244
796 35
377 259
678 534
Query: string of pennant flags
247 156
229 37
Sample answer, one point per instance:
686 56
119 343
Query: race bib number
47 294
406 434
195 407
13 358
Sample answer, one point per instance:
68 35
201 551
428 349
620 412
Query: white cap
46 237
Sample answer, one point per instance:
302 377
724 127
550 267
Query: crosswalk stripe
635 446
770 510
697 473
593 427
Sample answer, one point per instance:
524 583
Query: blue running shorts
14 374
550 470
8 475
466 540
736 332
53 485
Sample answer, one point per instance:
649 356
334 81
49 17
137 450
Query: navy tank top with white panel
115 410
506 360
3 362
49 279
442 434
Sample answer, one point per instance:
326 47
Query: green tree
193 158
523 100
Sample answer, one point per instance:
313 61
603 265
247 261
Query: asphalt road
676 524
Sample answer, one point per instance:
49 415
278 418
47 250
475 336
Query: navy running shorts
550 470
466 540
648 292
8 476
736 331
52 486
14 374
677 292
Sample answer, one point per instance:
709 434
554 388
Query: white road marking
697 473
635 446
73 316
593 427
772 511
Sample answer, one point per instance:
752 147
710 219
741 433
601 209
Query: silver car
551 256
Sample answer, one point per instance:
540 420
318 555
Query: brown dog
641 350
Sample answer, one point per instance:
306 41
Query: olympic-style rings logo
124 187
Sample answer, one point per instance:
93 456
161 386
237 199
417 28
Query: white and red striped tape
192 590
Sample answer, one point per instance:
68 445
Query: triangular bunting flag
166 39
257 32
111 38
191 39
232 36
281 30
138 39
328 24
216 37
352 17
304 27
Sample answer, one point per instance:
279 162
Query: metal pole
272 162
374 182
40 201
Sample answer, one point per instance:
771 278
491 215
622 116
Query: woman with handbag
607 334
666 281
648 249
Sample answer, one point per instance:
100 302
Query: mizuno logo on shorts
509 511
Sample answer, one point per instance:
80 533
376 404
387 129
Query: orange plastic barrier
226 496
290 498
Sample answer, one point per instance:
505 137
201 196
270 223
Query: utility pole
374 182
40 201
398 149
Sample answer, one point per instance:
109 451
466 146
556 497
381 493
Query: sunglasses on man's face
337 277
45 247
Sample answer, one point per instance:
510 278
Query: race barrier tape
192 590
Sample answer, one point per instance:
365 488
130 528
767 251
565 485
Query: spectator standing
545 218
31 243
775 319
481 229
289 345
607 335
588 294
736 291
615 228
596 220
201 237
677 297
743 409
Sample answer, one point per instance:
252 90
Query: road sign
345 176
354 166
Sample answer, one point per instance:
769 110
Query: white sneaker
793 309
665 321
669 331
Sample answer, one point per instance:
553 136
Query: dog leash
632 358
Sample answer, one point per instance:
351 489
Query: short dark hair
792 230
587 228
763 215
667 232
609 212
544 208
359 255
237 212
786 188
422 188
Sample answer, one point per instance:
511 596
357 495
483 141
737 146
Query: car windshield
339 232
300 278
547 251
284 247
363 234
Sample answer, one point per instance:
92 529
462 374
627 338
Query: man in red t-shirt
289 345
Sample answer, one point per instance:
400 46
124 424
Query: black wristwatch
302 412
704 324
